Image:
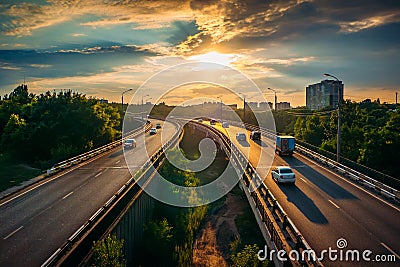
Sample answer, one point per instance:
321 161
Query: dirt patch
212 245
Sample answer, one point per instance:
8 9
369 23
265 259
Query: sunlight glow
214 57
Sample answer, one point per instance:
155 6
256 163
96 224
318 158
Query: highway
326 207
35 222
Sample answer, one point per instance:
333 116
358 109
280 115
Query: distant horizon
239 104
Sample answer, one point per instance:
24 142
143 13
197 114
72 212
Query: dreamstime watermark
340 253
207 83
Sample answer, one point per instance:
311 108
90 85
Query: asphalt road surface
38 220
326 207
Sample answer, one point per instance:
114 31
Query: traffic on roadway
36 221
324 206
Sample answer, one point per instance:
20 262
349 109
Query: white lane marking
334 204
97 175
303 180
391 250
351 183
55 177
13 233
67 195
117 162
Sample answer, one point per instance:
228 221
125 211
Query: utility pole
396 98
338 118
122 102
220 112
244 107
275 98
141 111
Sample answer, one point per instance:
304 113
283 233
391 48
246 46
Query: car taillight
281 176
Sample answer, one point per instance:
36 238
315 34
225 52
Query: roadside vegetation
38 130
168 239
370 134
108 253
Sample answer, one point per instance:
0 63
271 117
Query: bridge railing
355 166
384 188
277 228
377 186
79 244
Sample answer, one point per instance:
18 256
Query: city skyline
102 48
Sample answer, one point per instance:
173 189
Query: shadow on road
244 143
320 180
303 203
260 143
118 153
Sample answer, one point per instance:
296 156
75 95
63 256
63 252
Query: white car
153 131
283 174
241 137
225 124
130 143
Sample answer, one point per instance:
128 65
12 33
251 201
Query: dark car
213 122
255 135
241 137
158 126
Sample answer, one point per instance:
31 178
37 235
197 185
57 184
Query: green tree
310 130
13 138
248 257
157 246
108 252
60 124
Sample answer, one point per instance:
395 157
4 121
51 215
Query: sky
103 47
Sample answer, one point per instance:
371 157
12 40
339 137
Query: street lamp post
122 102
275 96
142 106
244 107
220 112
338 118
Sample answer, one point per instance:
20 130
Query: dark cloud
283 21
76 62
183 30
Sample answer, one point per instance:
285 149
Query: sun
215 57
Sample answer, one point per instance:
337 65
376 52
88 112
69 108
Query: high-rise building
282 105
253 105
264 105
324 94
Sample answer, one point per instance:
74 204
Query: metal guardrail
367 171
282 231
107 212
92 153
377 186
354 175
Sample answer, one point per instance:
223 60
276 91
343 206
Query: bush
108 252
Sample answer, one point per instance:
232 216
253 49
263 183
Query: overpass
324 205
36 221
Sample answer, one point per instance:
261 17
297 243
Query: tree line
370 134
53 126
